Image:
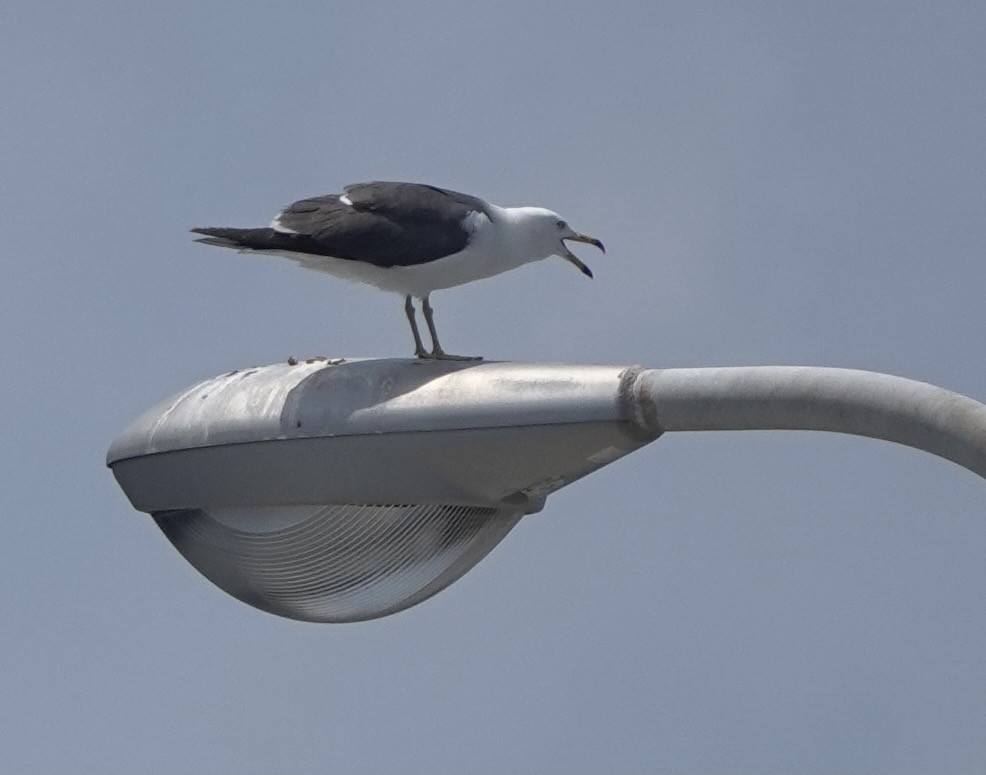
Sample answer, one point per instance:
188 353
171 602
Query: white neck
517 244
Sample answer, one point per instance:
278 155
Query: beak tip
591 241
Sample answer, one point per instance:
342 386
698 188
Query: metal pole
862 403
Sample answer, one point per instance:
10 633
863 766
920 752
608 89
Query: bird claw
441 355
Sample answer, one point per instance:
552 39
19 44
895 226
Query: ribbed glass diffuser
336 563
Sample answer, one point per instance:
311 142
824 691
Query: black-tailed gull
408 238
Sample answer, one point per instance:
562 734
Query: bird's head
548 232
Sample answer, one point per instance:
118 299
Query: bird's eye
561 224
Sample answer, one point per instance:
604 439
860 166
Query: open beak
573 259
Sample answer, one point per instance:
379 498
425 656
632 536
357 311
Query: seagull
408 238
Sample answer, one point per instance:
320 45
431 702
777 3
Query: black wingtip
219 237
215 231
219 242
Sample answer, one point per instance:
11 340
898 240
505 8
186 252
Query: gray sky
776 183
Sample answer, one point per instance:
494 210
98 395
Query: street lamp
344 490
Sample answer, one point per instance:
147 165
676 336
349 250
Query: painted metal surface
355 397
862 403
388 431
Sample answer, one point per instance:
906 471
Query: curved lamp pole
862 403
336 491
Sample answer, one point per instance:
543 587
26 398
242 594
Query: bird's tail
245 239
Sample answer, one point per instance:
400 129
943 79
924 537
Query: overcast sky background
776 183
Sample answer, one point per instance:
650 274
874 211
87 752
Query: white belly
473 263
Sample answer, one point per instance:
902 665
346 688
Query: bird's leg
436 351
419 348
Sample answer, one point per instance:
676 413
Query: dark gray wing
387 224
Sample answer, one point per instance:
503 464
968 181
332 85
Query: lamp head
342 491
